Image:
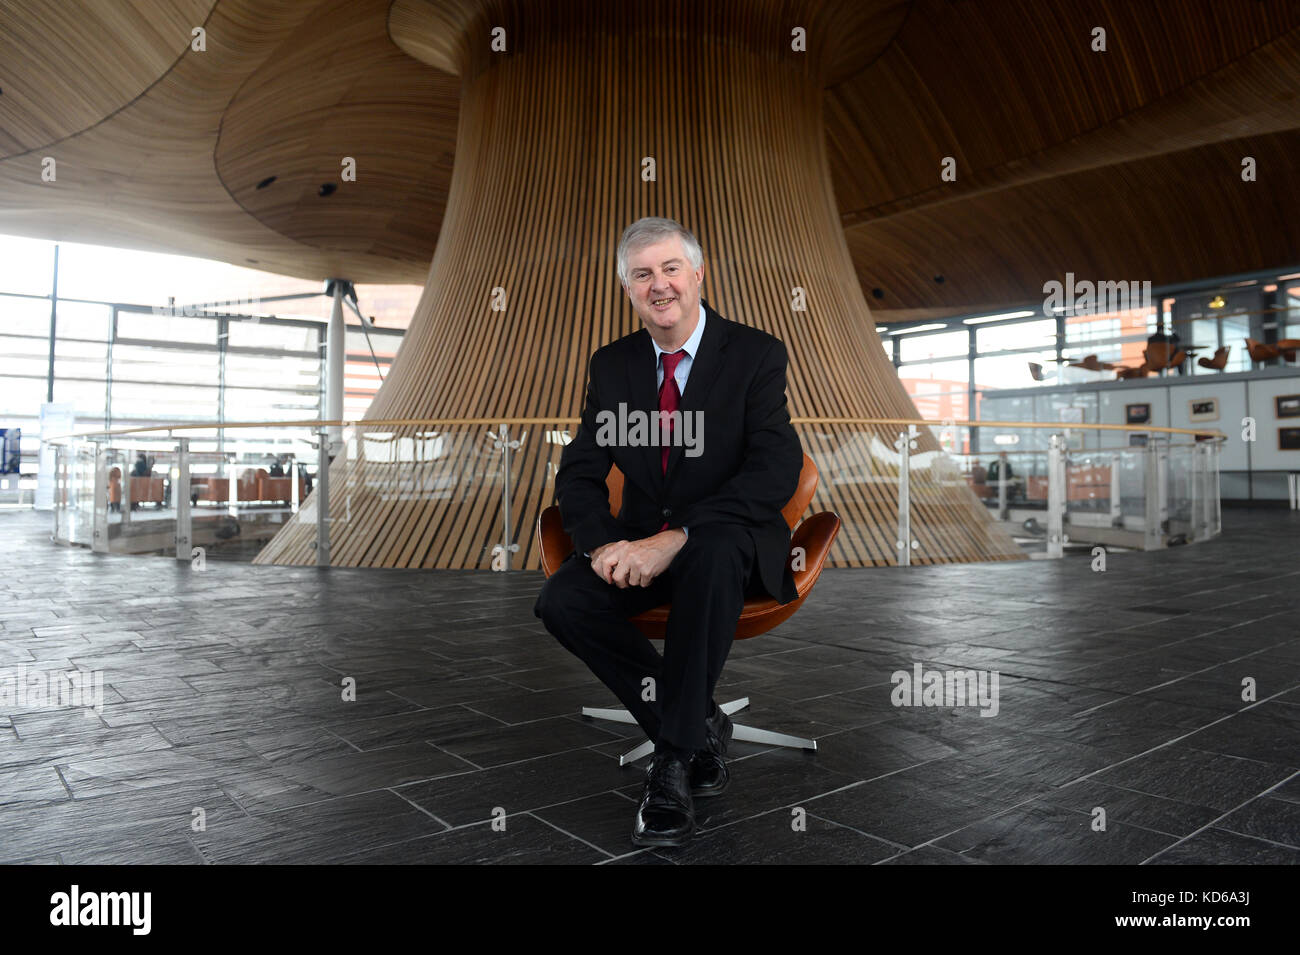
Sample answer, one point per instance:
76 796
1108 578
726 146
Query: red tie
669 397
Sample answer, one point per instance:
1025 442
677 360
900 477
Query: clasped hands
637 563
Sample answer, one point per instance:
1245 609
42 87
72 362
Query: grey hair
654 229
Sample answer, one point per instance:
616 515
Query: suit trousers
706 583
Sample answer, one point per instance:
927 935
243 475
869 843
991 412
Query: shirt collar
692 345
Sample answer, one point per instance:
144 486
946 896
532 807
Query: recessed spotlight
266 182
878 292
326 189
1217 302
939 279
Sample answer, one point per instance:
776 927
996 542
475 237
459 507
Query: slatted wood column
554 136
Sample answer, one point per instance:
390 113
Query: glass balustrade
901 489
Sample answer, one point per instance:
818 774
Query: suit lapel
705 368
641 374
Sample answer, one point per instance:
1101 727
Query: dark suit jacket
749 465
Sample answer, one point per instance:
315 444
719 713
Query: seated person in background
141 467
277 469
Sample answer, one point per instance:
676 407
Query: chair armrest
815 536
553 544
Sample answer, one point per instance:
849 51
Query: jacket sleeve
769 474
580 486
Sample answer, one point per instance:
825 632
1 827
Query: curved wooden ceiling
66 66
1125 163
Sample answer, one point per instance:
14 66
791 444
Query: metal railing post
1116 502
126 488
1003 511
504 442
181 497
1216 449
1196 492
1206 449
58 483
1152 538
501 552
99 513
322 490
1055 496
1162 457
905 444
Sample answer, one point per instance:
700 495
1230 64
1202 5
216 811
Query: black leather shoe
709 774
666 816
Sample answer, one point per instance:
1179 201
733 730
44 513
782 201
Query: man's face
664 289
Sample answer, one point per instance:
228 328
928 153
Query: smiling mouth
663 303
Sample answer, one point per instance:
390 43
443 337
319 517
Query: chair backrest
1259 351
802 497
1159 355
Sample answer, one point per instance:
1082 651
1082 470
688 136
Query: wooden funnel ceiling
580 127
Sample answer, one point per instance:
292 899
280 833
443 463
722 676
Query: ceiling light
1217 302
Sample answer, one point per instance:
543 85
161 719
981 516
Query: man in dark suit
700 524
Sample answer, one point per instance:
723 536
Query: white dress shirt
683 371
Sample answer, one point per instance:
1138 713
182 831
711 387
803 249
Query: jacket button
666 513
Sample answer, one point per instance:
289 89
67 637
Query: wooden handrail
316 425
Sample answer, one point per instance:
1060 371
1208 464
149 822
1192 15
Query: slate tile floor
1119 690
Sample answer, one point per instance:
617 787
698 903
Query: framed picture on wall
1288 406
1203 409
1137 440
1072 415
1137 414
1288 439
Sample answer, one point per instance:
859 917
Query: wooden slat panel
547 175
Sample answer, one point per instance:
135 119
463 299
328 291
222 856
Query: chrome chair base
749 734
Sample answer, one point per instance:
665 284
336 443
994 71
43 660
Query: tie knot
671 361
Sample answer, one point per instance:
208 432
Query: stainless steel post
1003 513
1055 496
1152 538
181 498
1195 489
126 488
322 492
335 356
905 544
99 533
504 443
1116 501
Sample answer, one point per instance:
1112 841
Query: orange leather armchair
1285 349
1161 355
147 490
248 485
1218 362
810 544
